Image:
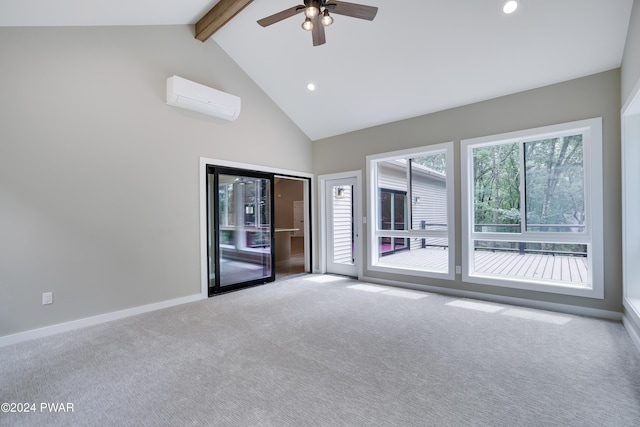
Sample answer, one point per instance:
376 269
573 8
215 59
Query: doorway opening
340 224
257 227
291 216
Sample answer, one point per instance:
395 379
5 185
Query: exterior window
534 209
412 212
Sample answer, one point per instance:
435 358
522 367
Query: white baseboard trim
631 322
522 302
95 320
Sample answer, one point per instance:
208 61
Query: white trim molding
592 237
373 211
630 126
631 320
94 320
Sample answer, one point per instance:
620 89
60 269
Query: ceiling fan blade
318 31
353 10
277 17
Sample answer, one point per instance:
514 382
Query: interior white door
341 233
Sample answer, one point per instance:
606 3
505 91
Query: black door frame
216 171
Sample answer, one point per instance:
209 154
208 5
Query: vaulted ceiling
414 58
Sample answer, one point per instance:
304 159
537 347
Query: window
532 209
412 212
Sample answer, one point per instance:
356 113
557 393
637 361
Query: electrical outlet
47 298
458 269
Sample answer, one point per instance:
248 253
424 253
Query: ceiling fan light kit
311 9
307 25
326 18
317 15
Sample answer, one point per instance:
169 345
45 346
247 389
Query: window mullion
523 189
409 197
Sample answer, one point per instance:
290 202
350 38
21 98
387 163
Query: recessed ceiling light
509 6
311 87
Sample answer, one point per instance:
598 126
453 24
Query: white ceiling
29 13
416 57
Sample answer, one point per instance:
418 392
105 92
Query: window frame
373 212
592 236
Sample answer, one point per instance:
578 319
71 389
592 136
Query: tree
436 162
553 188
554 183
497 186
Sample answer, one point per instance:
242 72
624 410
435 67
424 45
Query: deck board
558 268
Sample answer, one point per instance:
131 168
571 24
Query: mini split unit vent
193 96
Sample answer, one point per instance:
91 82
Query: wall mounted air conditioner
193 96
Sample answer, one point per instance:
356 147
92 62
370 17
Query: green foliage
554 191
497 184
554 185
436 162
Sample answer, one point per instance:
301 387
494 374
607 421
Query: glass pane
496 188
391 179
429 194
250 199
211 219
343 239
263 202
564 263
245 248
554 180
393 216
399 211
386 210
227 208
425 258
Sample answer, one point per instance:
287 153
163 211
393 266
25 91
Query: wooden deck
433 259
559 268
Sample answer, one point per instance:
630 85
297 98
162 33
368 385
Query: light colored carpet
312 352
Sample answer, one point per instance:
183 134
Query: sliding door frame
205 162
214 204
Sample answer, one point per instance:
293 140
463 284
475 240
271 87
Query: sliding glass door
241 229
393 216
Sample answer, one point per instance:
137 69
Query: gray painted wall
99 178
592 96
99 184
631 58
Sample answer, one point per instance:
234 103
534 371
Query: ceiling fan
317 15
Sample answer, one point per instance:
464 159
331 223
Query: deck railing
522 246
539 227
